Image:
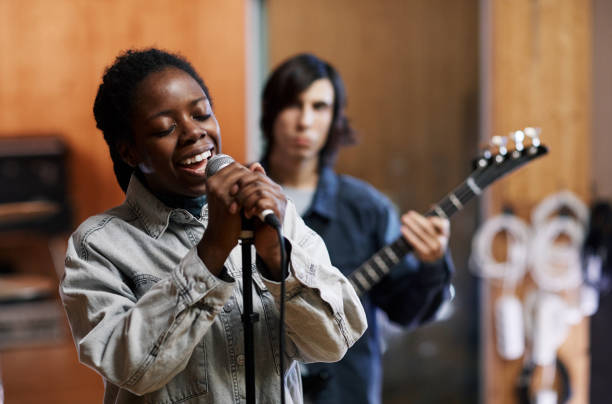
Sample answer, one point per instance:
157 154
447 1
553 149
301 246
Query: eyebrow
169 111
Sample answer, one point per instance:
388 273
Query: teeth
196 159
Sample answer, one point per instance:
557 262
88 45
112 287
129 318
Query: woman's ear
127 153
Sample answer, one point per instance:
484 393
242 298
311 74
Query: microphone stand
248 318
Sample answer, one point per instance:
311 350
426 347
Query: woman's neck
191 204
297 173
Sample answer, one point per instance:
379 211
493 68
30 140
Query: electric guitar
503 156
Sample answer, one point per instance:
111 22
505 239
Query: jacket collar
324 202
154 215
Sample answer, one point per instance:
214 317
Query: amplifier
33 184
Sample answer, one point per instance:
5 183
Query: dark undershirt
192 205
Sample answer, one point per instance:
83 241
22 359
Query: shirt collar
324 202
154 214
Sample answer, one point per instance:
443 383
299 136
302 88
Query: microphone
220 161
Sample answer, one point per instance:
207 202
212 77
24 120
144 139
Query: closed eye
165 132
201 118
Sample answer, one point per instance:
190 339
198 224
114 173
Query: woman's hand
258 193
231 192
427 235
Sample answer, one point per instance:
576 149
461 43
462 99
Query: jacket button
200 288
227 307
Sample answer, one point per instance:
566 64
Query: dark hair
114 101
285 85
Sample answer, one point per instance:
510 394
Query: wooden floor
48 374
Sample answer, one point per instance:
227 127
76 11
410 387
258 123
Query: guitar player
304 125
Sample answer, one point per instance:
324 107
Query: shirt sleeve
141 343
413 291
323 315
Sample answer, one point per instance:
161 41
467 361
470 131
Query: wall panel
540 60
54 54
52 57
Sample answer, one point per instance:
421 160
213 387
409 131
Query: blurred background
429 82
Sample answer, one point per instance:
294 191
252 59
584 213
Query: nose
306 116
191 132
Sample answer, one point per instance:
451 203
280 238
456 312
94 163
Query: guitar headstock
506 153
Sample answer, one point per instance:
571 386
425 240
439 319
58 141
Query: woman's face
175 132
301 128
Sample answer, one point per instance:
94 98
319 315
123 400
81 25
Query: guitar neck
382 262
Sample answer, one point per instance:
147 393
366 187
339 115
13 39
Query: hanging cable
555 203
555 265
484 264
508 309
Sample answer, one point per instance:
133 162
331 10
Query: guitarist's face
301 128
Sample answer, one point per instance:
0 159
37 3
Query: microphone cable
216 163
281 343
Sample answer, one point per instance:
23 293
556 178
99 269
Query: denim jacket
355 221
147 315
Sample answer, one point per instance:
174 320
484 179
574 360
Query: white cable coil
552 204
482 261
510 337
556 266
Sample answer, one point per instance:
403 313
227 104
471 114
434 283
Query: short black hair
285 85
113 106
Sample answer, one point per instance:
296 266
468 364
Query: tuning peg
483 160
518 138
534 137
500 142
499 145
532 131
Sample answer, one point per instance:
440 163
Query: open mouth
195 165
194 160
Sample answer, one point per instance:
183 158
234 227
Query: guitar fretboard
381 263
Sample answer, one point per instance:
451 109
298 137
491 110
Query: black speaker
33 190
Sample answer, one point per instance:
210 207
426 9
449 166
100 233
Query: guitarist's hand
427 235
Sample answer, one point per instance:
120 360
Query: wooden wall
411 79
602 100
411 73
54 54
540 60
52 57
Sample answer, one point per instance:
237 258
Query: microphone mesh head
217 162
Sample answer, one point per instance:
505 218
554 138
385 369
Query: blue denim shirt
148 316
356 221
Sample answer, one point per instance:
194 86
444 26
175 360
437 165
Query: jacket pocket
142 283
189 384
